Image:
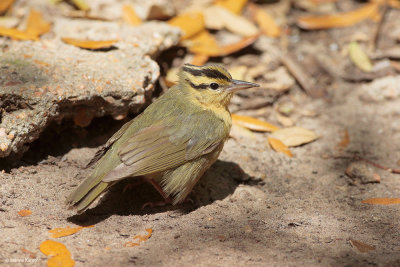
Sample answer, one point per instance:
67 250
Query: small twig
377 165
374 41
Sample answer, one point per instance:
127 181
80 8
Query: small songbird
172 143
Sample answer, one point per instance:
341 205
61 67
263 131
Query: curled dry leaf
190 23
359 58
279 146
36 25
294 136
344 19
232 48
265 21
253 123
140 238
129 15
61 232
24 213
360 246
381 201
234 6
87 44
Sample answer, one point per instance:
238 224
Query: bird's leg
167 200
133 184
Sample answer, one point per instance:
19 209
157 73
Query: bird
172 142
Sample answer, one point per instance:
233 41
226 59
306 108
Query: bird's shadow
217 183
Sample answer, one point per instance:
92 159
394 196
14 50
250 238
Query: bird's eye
214 86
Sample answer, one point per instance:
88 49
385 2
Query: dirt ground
253 207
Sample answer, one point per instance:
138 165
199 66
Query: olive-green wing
161 147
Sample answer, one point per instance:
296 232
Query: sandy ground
254 207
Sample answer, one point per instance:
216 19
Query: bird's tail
88 191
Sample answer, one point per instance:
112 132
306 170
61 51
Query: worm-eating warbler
173 142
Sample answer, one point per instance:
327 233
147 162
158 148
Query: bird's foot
160 203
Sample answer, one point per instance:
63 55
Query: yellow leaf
199 59
360 246
81 4
253 123
381 201
265 21
87 44
344 19
238 132
24 213
36 25
232 48
190 23
294 136
141 238
279 146
60 261
129 15
204 43
53 248
60 232
359 58
5 5
17 34
234 6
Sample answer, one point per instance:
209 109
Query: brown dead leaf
87 44
381 201
345 140
24 213
294 136
199 59
232 48
394 3
204 43
36 25
253 123
359 57
265 21
360 246
61 232
234 6
190 23
279 146
5 5
17 34
129 15
344 19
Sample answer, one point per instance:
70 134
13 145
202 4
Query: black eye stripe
199 86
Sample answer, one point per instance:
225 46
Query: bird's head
210 84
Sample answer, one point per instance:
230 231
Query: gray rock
47 81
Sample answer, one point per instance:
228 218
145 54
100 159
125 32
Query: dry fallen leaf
360 246
344 19
218 17
60 253
381 201
253 123
234 6
81 4
61 232
141 238
359 58
129 15
237 132
204 43
199 59
5 5
190 23
265 21
17 34
279 146
232 48
294 136
24 213
87 44
36 25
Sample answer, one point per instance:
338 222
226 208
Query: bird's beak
240 85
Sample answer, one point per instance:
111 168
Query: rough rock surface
49 80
